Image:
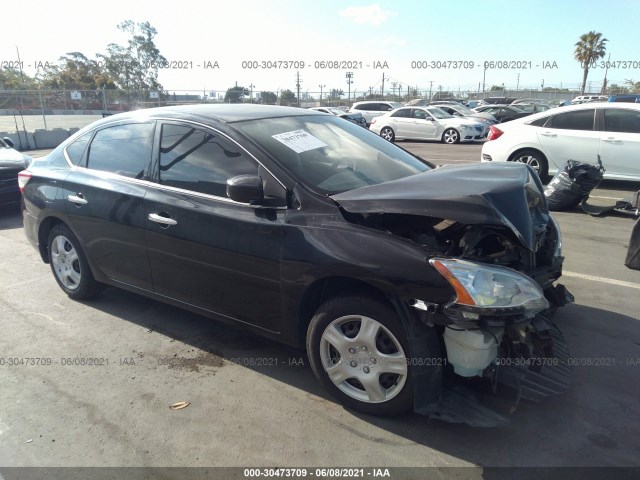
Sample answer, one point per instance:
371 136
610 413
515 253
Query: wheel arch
327 287
43 235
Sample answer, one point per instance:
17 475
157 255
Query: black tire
450 136
69 264
388 134
535 159
341 317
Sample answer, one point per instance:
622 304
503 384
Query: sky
533 39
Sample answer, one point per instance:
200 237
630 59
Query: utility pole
370 92
298 87
518 83
251 86
393 90
349 76
430 89
603 91
321 87
382 90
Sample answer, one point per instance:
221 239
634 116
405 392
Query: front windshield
330 155
439 113
464 110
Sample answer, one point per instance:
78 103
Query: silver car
426 123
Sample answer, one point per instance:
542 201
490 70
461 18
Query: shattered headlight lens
491 287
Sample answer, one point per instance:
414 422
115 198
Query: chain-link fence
24 113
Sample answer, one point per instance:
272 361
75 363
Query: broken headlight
558 250
490 290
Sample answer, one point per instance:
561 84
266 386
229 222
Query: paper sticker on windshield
299 141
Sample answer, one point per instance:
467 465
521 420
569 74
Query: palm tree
590 48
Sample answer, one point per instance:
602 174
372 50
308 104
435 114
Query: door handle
154 217
611 140
77 199
549 134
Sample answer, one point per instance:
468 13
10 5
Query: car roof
226 113
573 108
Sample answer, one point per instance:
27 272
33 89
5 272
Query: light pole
349 76
251 86
321 87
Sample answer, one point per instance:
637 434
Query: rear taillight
23 178
494 132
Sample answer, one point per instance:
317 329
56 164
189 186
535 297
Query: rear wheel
69 264
387 134
358 351
451 135
533 158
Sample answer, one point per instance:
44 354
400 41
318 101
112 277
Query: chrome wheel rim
363 359
66 263
529 160
387 134
450 136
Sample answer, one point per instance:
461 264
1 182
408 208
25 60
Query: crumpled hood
507 194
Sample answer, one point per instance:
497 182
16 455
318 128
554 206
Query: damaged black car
395 276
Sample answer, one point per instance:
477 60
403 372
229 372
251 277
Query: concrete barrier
20 141
50 138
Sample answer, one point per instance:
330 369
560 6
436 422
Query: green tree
76 72
135 66
269 98
287 97
11 79
589 48
235 94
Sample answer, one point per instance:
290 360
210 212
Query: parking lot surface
109 369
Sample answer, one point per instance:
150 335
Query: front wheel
358 350
69 264
387 134
450 136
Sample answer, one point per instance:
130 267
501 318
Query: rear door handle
549 134
77 199
154 217
611 140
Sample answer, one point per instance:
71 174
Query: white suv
589 98
548 139
372 109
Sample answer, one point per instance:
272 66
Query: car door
204 249
104 199
620 141
424 125
402 123
570 136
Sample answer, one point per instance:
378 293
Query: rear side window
579 120
540 122
403 112
200 160
75 149
123 149
368 107
619 120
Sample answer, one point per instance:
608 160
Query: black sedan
11 162
503 113
315 232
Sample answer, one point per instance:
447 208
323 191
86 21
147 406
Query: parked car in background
532 107
371 109
503 113
426 123
307 229
355 117
528 101
624 98
578 132
589 98
461 111
11 162
499 100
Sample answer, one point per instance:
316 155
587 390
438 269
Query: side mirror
8 141
245 189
